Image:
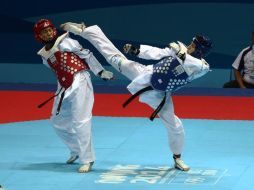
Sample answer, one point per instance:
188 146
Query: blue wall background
228 23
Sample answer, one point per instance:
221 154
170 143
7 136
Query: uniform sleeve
154 53
236 63
195 68
71 45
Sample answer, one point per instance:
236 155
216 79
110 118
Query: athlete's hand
174 46
179 49
130 49
106 75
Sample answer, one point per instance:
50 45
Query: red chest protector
65 65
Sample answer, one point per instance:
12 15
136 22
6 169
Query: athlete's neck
50 44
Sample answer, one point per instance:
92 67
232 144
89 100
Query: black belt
60 101
148 88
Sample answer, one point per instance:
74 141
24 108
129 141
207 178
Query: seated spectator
243 68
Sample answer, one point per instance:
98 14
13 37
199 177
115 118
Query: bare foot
85 168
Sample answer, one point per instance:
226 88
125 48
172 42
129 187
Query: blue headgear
203 46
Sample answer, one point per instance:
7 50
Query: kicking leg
99 40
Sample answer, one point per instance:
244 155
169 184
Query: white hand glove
106 75
179 49
175 47
74 28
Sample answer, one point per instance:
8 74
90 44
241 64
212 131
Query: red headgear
40 25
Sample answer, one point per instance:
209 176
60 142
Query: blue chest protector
168 75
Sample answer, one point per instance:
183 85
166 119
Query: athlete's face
191 48
47 34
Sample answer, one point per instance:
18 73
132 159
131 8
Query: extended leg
99 40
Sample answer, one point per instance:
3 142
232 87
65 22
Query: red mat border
22 106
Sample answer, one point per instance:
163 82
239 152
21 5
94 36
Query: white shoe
85 168
72 159
180 165
72 27
1 188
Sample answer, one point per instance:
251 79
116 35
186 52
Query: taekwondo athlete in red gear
72 109
176 61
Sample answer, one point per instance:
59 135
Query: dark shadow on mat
53 167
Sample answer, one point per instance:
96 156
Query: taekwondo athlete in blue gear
140 75
170 74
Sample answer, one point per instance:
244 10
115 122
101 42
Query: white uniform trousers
73 124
